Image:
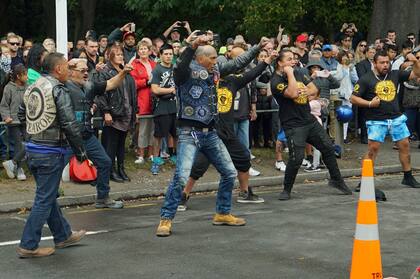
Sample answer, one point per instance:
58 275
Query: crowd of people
196 101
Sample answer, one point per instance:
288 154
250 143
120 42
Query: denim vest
197 96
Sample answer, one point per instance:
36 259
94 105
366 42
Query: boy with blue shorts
377 92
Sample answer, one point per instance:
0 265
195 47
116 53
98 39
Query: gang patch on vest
224 99
40 107
385 90
196 91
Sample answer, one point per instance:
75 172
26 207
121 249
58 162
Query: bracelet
369 104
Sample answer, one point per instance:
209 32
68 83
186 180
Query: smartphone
323 74
285 39
133 27
199 33
101 59
182 24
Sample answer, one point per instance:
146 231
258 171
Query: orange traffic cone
366 261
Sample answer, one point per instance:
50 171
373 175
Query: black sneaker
340 185
249 197
182 206
410 181
284 196
312 169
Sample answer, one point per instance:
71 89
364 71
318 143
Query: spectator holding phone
173 33
128 35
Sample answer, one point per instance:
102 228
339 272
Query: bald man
196 81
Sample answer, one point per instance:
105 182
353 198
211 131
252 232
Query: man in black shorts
376 91
300 126
164 105
239 153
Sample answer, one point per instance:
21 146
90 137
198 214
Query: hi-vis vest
197 96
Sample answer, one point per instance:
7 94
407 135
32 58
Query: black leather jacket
65 130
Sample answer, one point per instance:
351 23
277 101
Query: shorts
378 129
281 136
165 125
146 129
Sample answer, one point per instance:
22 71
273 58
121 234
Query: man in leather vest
196 81
52 127
82 93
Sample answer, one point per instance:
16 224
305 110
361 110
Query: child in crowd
12 98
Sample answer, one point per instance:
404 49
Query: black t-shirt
163 104
385 87
292 112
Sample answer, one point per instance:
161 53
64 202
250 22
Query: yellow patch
356 88
385 90
224 100
302 99
280 87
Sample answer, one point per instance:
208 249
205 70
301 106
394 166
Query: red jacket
144 92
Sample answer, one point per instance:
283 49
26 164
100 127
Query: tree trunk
399 15
49 17
4 26
88 8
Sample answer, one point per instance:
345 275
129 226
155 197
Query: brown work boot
164 228
37 253
73 239
228 220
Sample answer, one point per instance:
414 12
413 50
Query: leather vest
81 101
41 112
197 96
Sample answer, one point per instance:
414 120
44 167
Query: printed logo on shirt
302 99
356 88
385 90
224 100
280 87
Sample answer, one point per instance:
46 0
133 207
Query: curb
200 187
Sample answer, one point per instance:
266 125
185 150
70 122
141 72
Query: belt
204 130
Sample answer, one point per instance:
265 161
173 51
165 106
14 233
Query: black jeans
238 153
297 138
16 135
263 122
113 141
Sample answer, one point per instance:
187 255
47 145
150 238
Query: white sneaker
164 155
253 172
140 160
10 168
252 157
280 165
21 174
305 163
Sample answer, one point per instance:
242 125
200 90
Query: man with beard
82 93
377 92
129 40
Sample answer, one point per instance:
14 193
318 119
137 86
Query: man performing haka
376 91
300 126
196 80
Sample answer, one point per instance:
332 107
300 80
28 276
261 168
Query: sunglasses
411 38
14 44
363 45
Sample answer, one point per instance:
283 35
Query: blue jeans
47 170
97 154
242 131
3 147
189 143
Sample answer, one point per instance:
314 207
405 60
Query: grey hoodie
12 98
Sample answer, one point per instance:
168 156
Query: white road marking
14 242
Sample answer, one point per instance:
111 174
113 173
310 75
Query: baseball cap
327 48
126 34
302 38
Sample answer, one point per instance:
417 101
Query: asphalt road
310 236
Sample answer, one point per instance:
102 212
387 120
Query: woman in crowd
360 53
35 58
142 74
119 108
